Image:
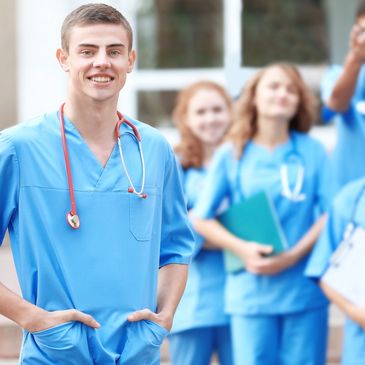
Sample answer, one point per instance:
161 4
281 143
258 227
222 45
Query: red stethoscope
72 217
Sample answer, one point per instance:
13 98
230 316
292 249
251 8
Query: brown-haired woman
202 115
278 316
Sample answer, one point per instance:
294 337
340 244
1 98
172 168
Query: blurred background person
278 316
202 115
348 208
343 93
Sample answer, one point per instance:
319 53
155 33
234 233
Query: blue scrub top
350 130
202 304
259 170
109 266
339 216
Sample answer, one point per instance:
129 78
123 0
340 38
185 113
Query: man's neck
94 120
96 123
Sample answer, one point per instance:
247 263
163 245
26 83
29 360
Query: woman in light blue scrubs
202 114
278 316
349 205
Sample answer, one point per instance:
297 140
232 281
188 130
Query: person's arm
33 318
171 285
219 236
175 252
344 88
357 314
12 306
273 265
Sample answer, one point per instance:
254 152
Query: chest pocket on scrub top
142 215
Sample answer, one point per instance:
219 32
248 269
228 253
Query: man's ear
62 58
131 60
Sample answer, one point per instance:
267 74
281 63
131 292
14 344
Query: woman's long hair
244 125
190 148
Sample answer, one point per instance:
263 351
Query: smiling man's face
97 61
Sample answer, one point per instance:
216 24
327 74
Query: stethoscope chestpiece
73 220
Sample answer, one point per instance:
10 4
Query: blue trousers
291 339
73 343
353 352
196 346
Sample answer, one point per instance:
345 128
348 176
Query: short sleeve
216 186
9 184
329 239
177 240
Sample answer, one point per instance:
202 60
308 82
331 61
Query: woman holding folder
202 115
278 316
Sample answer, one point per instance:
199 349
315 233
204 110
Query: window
180 34
284 30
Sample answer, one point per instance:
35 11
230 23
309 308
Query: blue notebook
253 219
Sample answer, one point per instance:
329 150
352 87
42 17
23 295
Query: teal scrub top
109 266
202 304
350 130
259 170
339 216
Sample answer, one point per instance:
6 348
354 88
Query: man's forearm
16 308
171 285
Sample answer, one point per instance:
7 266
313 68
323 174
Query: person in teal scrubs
100 283
343 94
278 316
348 207
201 328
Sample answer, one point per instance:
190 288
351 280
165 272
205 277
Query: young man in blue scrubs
343 93
100 287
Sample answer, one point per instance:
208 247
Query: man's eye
115 52
86 52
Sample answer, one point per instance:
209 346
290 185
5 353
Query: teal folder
253 219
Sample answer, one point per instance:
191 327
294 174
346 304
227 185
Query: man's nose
101 60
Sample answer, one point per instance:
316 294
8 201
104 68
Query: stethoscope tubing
72 217
294 195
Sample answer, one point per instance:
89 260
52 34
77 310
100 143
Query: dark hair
93 14
360 9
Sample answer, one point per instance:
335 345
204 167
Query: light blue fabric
196 346
350 131
294 339
339 216
259 169
202 304
109 266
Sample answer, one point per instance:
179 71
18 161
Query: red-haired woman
202 115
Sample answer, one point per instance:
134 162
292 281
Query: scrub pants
354 344
196 346
73 343
292 339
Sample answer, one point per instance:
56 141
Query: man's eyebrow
89 45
